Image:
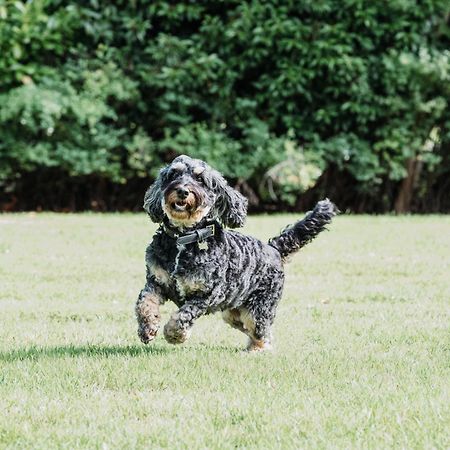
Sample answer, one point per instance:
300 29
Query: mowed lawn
361 359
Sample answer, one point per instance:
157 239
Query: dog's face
188 190
185 199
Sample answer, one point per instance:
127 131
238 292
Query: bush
357 88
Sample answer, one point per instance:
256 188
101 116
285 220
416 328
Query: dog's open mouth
179 205
184 211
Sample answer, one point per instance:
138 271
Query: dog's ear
231 205
153 200
235 208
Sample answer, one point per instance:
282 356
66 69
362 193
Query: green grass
362 343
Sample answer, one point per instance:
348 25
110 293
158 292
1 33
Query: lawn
361 357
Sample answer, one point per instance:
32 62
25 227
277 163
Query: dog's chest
183 275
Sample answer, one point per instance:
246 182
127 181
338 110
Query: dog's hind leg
233 318
147 314
261 309
259 342
258 331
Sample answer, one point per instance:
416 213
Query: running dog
204 268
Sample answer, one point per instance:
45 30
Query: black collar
198 235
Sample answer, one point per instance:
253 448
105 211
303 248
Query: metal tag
203 245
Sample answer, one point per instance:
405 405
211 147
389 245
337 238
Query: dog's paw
259 345
175 332
147 332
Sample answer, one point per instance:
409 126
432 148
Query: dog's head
188 190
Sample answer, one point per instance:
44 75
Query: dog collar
199 235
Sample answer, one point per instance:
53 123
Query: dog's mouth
180 205
184 212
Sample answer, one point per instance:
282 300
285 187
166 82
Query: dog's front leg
178 328
147 313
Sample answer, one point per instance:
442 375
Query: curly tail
296 236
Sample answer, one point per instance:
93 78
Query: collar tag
203 245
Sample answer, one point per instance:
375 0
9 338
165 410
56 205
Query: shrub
112 90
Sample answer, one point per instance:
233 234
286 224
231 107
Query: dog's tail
296 236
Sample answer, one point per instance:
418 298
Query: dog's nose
182 192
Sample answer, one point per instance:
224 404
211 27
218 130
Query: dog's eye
199 178
172 174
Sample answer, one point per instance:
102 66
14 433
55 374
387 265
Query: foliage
295 174
114 89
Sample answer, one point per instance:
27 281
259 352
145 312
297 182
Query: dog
204 268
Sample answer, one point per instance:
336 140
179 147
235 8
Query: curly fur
238 275
296 236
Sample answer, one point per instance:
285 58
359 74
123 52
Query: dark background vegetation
291 100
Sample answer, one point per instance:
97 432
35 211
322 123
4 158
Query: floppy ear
231 205
235 211
152 201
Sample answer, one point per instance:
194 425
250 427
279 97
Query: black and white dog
204 268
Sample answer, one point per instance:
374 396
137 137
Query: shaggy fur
238 275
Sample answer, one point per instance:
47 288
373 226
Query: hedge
291 100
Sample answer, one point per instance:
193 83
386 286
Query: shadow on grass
106 351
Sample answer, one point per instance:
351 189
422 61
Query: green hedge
275 94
